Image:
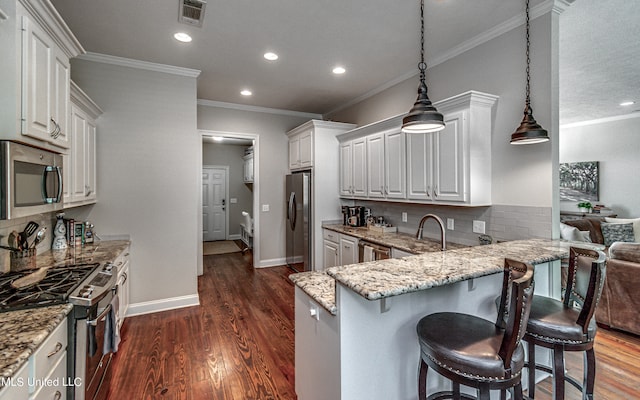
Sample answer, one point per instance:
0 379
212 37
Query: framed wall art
579 181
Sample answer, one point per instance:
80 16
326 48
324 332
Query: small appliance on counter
358 216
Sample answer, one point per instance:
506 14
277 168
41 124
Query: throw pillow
586 236
617 233
570 233
634 221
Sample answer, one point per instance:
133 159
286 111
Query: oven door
92 364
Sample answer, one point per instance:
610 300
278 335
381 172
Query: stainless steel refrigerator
299 224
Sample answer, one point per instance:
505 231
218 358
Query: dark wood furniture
475 352
561 326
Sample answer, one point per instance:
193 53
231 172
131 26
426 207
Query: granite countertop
385 278
22 331
401 241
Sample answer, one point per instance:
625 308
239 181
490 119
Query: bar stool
560 326
475 352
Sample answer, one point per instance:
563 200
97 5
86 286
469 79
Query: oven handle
104 312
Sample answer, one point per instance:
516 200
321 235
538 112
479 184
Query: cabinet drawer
54 386
52 350
330 235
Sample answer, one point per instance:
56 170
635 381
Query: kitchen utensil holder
24 259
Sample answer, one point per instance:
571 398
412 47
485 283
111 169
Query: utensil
13 240
26 233
39 236
9 248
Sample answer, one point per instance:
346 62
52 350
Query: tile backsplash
502 222
18 224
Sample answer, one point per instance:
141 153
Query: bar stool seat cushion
552 322
460 342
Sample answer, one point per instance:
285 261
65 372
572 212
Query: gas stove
79 284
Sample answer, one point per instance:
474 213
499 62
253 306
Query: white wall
273 165
149 154
616 145
231 155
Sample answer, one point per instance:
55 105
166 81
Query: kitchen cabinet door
294 152
348 250
331 254
45 86
394 165
77 159
248 168
449 160
90 161
375 166
305 152
359 168
346 169
419 166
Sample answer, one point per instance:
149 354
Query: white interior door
214 203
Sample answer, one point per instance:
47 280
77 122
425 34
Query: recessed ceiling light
270 56
339 70
627 103
246 92
182 37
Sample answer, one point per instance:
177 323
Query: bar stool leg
558 372
484 393
456 390
517 392
589 374
422 380
531 362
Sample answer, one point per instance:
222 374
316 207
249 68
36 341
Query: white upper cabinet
353 168
37 46
80 162
301 150
452 166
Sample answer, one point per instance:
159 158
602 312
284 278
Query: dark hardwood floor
239 344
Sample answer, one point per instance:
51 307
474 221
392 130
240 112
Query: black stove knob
108 266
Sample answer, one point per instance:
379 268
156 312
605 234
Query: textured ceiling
377 41
599 59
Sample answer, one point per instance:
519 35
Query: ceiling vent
192 12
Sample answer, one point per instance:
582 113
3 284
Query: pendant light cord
528 90
422 66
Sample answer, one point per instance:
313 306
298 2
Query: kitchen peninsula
355 324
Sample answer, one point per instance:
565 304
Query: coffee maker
358 216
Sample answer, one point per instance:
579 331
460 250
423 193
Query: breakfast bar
355 324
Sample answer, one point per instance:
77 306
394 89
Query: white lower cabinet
16 386
317 350
348 250
331 254
122 264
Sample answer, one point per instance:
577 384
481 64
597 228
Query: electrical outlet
233 200
404 217
450 224
478 227
265 208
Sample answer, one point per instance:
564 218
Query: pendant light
529 131
423 116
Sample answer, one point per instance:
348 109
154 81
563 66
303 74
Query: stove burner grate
55 288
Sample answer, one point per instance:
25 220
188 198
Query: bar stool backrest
587 271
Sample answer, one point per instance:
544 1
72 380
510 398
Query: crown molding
601 120
510 24
131 63
266 110
84 101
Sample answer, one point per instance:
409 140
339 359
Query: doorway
215 219
238 152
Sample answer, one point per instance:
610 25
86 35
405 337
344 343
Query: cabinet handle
56 350
57 396
347 247
56 129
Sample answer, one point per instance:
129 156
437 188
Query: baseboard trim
274 262
235 236
148 307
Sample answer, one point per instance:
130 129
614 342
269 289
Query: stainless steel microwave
30 180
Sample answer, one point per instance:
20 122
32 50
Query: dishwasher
368 251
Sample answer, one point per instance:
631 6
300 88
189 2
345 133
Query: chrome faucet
443 239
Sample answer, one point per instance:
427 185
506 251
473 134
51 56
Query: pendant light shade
423 116
529 131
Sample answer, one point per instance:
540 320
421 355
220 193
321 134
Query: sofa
620 301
